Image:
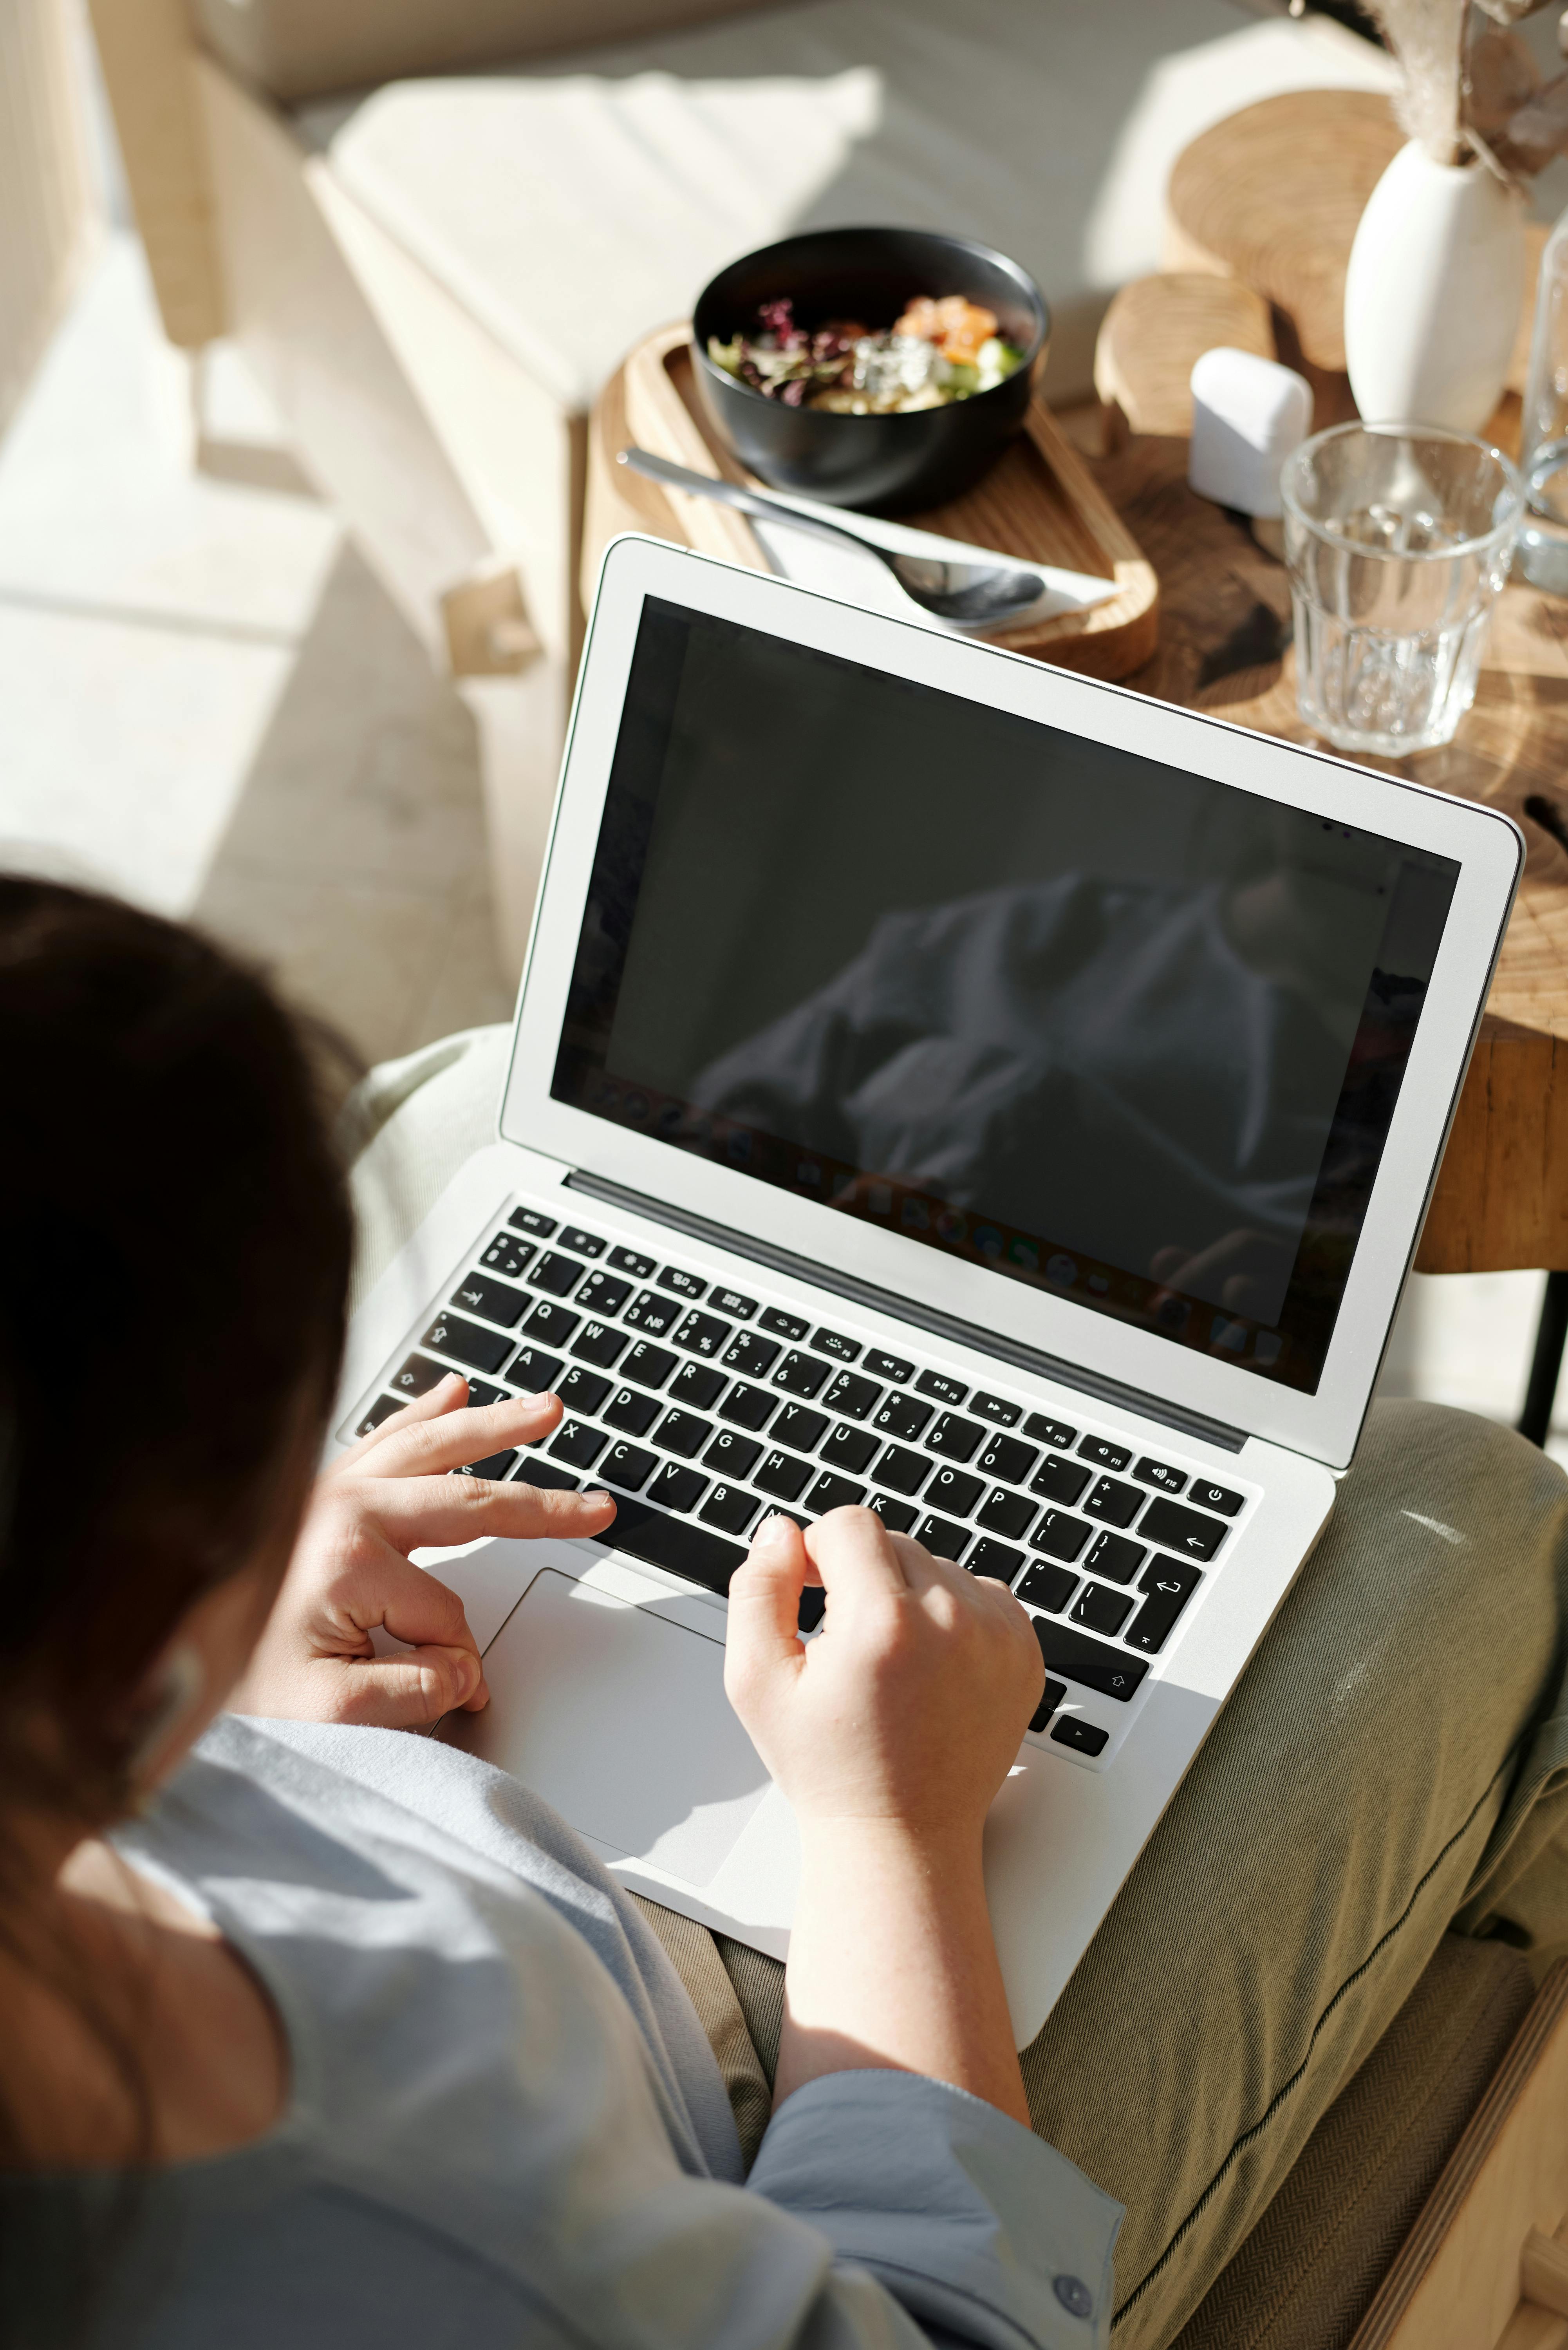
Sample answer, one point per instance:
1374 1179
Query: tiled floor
207 702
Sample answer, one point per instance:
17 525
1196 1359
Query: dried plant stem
1427 39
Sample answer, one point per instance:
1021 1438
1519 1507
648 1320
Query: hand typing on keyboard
350 1576
890 1733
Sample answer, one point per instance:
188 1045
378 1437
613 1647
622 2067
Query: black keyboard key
1008 1513
703 1333
698 1385
942 1538
850 1450
1055 1692
954 1490
507 1255
1215 1497
1083 1737
783 1326
481 1392
1169 1584
417 1377
1059 1480
549 1324
600 1346
494 1466
1046 1430
654 1315
630 1465
800 1375
1049 1587
673 1544
730 1508
751 1355
579 1445
683 1432
782 1474
733 1456
1115 1557
995 1559
896 1514
677 1489
1116 1504
1005 1458
1155 1473
1104 1453
556 1275
955 1438
1060 1536
584 1243
812 1608
382 1409
604 1293
684 1284
1176 1527
534 1370
997 1408
890 1366
902 1415
529 1220
842 1349
852 1395
801 1430
1103 1609
1088 1662
750 1408
627 1260
732 1301
631 1411
905 1471
532 1471
650 1367
938 1384
834 1493
584 1391
468 1342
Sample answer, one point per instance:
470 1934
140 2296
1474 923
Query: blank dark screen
1104 1027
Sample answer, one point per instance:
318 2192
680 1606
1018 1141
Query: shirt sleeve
984 2233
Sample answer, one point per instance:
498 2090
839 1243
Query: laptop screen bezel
1485 845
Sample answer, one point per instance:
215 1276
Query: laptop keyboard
702 1409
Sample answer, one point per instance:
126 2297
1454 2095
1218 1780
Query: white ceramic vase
1433 292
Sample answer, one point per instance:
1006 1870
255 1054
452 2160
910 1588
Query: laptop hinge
886 1300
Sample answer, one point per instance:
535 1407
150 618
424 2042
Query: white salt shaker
1248 415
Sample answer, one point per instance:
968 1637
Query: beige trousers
1392 1762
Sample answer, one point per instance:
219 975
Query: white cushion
573 207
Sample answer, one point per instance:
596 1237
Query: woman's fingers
447 1395
854 1556
406 1693
762 1635
431 1512
450 1438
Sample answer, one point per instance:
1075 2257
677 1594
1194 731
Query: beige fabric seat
573 206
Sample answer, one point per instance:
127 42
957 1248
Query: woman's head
173 1271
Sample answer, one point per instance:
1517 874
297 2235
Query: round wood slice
1272 196
1155 330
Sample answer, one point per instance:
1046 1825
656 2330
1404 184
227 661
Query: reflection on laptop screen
1104 1027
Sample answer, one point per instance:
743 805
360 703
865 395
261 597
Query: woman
328 2035
318 2032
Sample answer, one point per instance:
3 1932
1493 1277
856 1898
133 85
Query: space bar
673 1544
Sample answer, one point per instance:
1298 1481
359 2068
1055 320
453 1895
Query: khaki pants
1394 1761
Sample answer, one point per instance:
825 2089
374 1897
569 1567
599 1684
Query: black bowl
883 464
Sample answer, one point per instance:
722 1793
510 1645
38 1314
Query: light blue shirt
505 2125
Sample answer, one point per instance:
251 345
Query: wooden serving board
1039 503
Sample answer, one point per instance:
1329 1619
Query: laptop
949 1084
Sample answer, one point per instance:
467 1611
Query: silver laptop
949 1084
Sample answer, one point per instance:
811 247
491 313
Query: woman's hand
890 1732
351 1575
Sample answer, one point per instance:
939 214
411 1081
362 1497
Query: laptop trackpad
619 1718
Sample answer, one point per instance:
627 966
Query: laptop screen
1104 1027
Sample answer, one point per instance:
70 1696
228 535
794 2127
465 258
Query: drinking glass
1397 538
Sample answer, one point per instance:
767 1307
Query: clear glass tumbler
1397 538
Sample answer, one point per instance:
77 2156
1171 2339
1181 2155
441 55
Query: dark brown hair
174 1251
